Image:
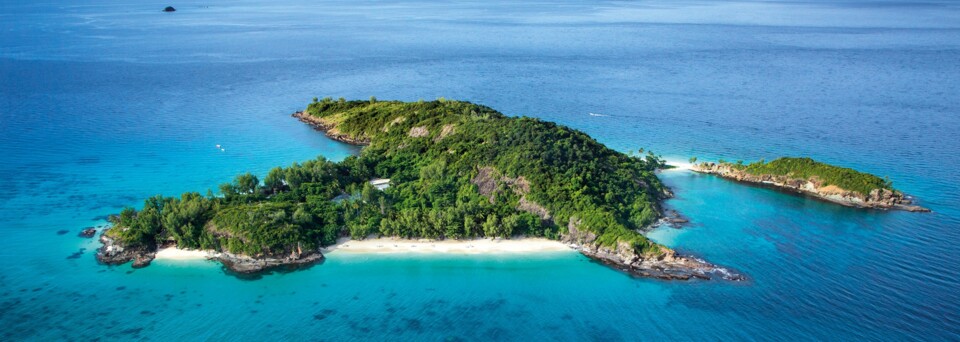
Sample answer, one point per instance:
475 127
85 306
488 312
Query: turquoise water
103 103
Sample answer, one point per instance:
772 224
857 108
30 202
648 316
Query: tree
693 160
246 183
384 204
274 179
302 217
510 224
228 190
653 160
295 176
470 226
490 226
369 193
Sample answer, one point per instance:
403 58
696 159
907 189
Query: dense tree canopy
805 168
456 170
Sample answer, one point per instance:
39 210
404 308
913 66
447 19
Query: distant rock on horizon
169 9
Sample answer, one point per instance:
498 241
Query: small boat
218 145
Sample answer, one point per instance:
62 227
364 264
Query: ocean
104 103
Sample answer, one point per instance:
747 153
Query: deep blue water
103 103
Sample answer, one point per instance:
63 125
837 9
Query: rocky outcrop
88 232
489 182
672 218
329 129
446 131
877 198
667 265
418 131
394 122
534 208
169 9
245 265
114 253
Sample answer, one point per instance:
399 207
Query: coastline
428 246
391 245
636 256
670 267
328 129
678 165
881 199
385 245
176 254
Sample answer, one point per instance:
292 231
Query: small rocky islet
827 182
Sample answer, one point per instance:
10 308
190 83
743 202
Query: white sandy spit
478 246
173 253
679 165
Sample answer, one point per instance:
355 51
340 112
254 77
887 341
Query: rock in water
88 232
169 9
113 254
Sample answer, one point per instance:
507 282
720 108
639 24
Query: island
428 170
831 183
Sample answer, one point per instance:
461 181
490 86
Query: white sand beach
392 245
173 253
477 246
679 165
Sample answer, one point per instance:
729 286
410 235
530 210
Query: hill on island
456 170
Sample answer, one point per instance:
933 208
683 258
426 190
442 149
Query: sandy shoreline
678 165
173 253
391 245
477 246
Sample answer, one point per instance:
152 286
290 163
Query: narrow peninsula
429 170
835 184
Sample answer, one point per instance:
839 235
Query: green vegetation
456 170
805 168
